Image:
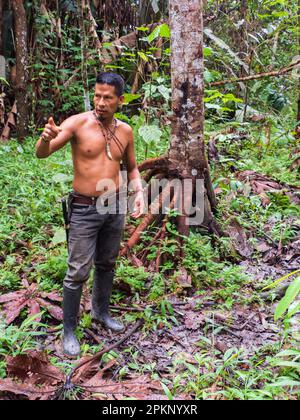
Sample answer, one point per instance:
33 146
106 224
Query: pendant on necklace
105 135
108 151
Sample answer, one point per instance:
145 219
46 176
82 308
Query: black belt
91 201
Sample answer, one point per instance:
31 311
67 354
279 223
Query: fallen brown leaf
31 298
239 237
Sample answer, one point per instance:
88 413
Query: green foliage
219 102
150 140
134 277
29 209
157 89
291 294
50 274
3 81
231 376
288 362
162 31
32 240
150 134
158 288
15 341
9 277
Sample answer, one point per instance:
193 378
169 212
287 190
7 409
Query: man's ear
121 100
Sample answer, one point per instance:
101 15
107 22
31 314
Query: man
99 143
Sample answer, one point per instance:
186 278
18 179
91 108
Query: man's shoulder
79 119
124 126
83 116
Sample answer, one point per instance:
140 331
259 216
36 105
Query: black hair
112 79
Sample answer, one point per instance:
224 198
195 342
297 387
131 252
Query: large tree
186 158
1 26
21 84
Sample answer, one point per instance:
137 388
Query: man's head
109 94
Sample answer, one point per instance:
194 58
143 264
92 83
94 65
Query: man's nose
101 102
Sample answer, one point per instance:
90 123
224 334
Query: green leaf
167 391
208 76
207 52
142 28
280 14
4 81
229 97
143 56
213 106
291 293
165 92
59 236
282 363
285 382
107 45
162 31
150 133
165 31
130 98
286 353
294 310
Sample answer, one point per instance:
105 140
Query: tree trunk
82 9
145 12
20 87
298 109
187 158
1 26
184 166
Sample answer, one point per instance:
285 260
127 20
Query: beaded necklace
109 135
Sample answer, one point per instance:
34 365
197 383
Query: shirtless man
99 144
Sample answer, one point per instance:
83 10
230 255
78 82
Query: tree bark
298 103
1 26
187 144
187 157
82 9
20 87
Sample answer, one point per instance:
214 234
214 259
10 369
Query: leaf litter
33 376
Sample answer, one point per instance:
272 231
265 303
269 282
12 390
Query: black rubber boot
71 304
100 300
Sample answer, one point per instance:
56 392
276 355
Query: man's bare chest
93 144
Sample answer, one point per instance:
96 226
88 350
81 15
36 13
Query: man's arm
134 176
54 137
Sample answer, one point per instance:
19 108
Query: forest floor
204 330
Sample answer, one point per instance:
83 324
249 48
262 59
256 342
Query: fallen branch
107 349
278 293
280 72
148 219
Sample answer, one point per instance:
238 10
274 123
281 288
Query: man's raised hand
51 130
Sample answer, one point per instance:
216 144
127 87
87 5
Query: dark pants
93 238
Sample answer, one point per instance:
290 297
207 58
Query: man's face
106 101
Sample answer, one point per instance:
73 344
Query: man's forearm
42 148
135 180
